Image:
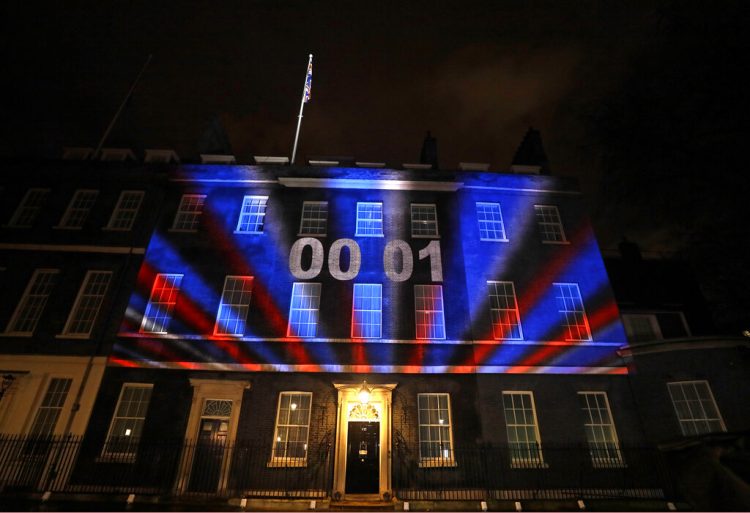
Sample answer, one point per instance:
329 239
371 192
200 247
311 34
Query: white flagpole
301 108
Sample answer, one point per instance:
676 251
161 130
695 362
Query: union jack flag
308 82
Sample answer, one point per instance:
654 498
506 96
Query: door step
361 505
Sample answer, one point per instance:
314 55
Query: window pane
490 220
695 407
303 310
520 422
429 318
86 308
253 214
550 225
423 221
369 219
573 315
189 212
292 426
161 304
234 305
314 218
30 308
367 310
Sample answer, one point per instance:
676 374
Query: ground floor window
292 429
523 432
127 422
695 407
600 430
435 432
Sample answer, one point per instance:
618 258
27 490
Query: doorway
363 457
209 455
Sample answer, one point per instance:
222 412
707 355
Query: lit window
78 209
161 303
234 305
292 428
126 210
490 220
29 208
367 310
369 219
31 306
303 310
523 432
435 433
189 212
423 221
506 322
49 410
696 408
89 301
601 435
550 225
252 215
428 307
570 306
314 218
126 428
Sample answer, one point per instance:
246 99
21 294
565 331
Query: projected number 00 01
398 260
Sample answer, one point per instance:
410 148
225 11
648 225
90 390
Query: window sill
556 242
116 458
281 463
436 236
528 464
494 240
70 336
245 232
605 464
181 230
108 229
437 463
320 235
19 334
368 235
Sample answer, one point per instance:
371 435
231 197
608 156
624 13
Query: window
695 407
234 306
51 407
89 301
369 219
189 212
490 220
435 433
32 304
570 306
423 221
252 214
127 422
428 309
641 327
126 210
550 225
523 433
78 209
303 310
367 310
506 322
601 435
161 303
292 427
314 218
29 208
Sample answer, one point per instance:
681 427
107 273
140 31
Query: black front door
363 458
209 455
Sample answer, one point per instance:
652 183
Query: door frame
381 398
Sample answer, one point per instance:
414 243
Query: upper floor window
126 210
490 220
88 303
550 224
367 310
423 221
34 299
78 209
252 214
435 431
292 428
303 310
161 303
234 306
29 208
50 408
646 327
189 212
601 435
369 219
314 218
523 431
695 407
506 322
428 310
126 427
570 306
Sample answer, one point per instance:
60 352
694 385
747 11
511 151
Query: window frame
74 217
504 237
24 299
59 408
23 208
355 310
427 312
233 306
523 462
439 461
416 222
130 455
595 450
170 308
315 285
515 310
120 209
80 298
286 461
557 224
303 218
694 420
362 220
195 214
259 216
564 316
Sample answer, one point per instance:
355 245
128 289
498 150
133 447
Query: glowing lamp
364 393
127 432
293 406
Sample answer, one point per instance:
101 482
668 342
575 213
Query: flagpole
122 105
301 108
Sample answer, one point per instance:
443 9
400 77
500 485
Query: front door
363 457
209 455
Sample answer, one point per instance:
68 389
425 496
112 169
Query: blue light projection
426 290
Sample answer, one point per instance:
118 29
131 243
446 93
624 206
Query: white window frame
132 448
188 209
87 301
429 313
562 307
78 210
601 433
252 214
443 460
308 209
694 409
239 311
284 460
362 227
124 215
497 224
528 461
423 224
169 308
27 297
373 312
25 214
314 312
548 218
41 426
497 310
